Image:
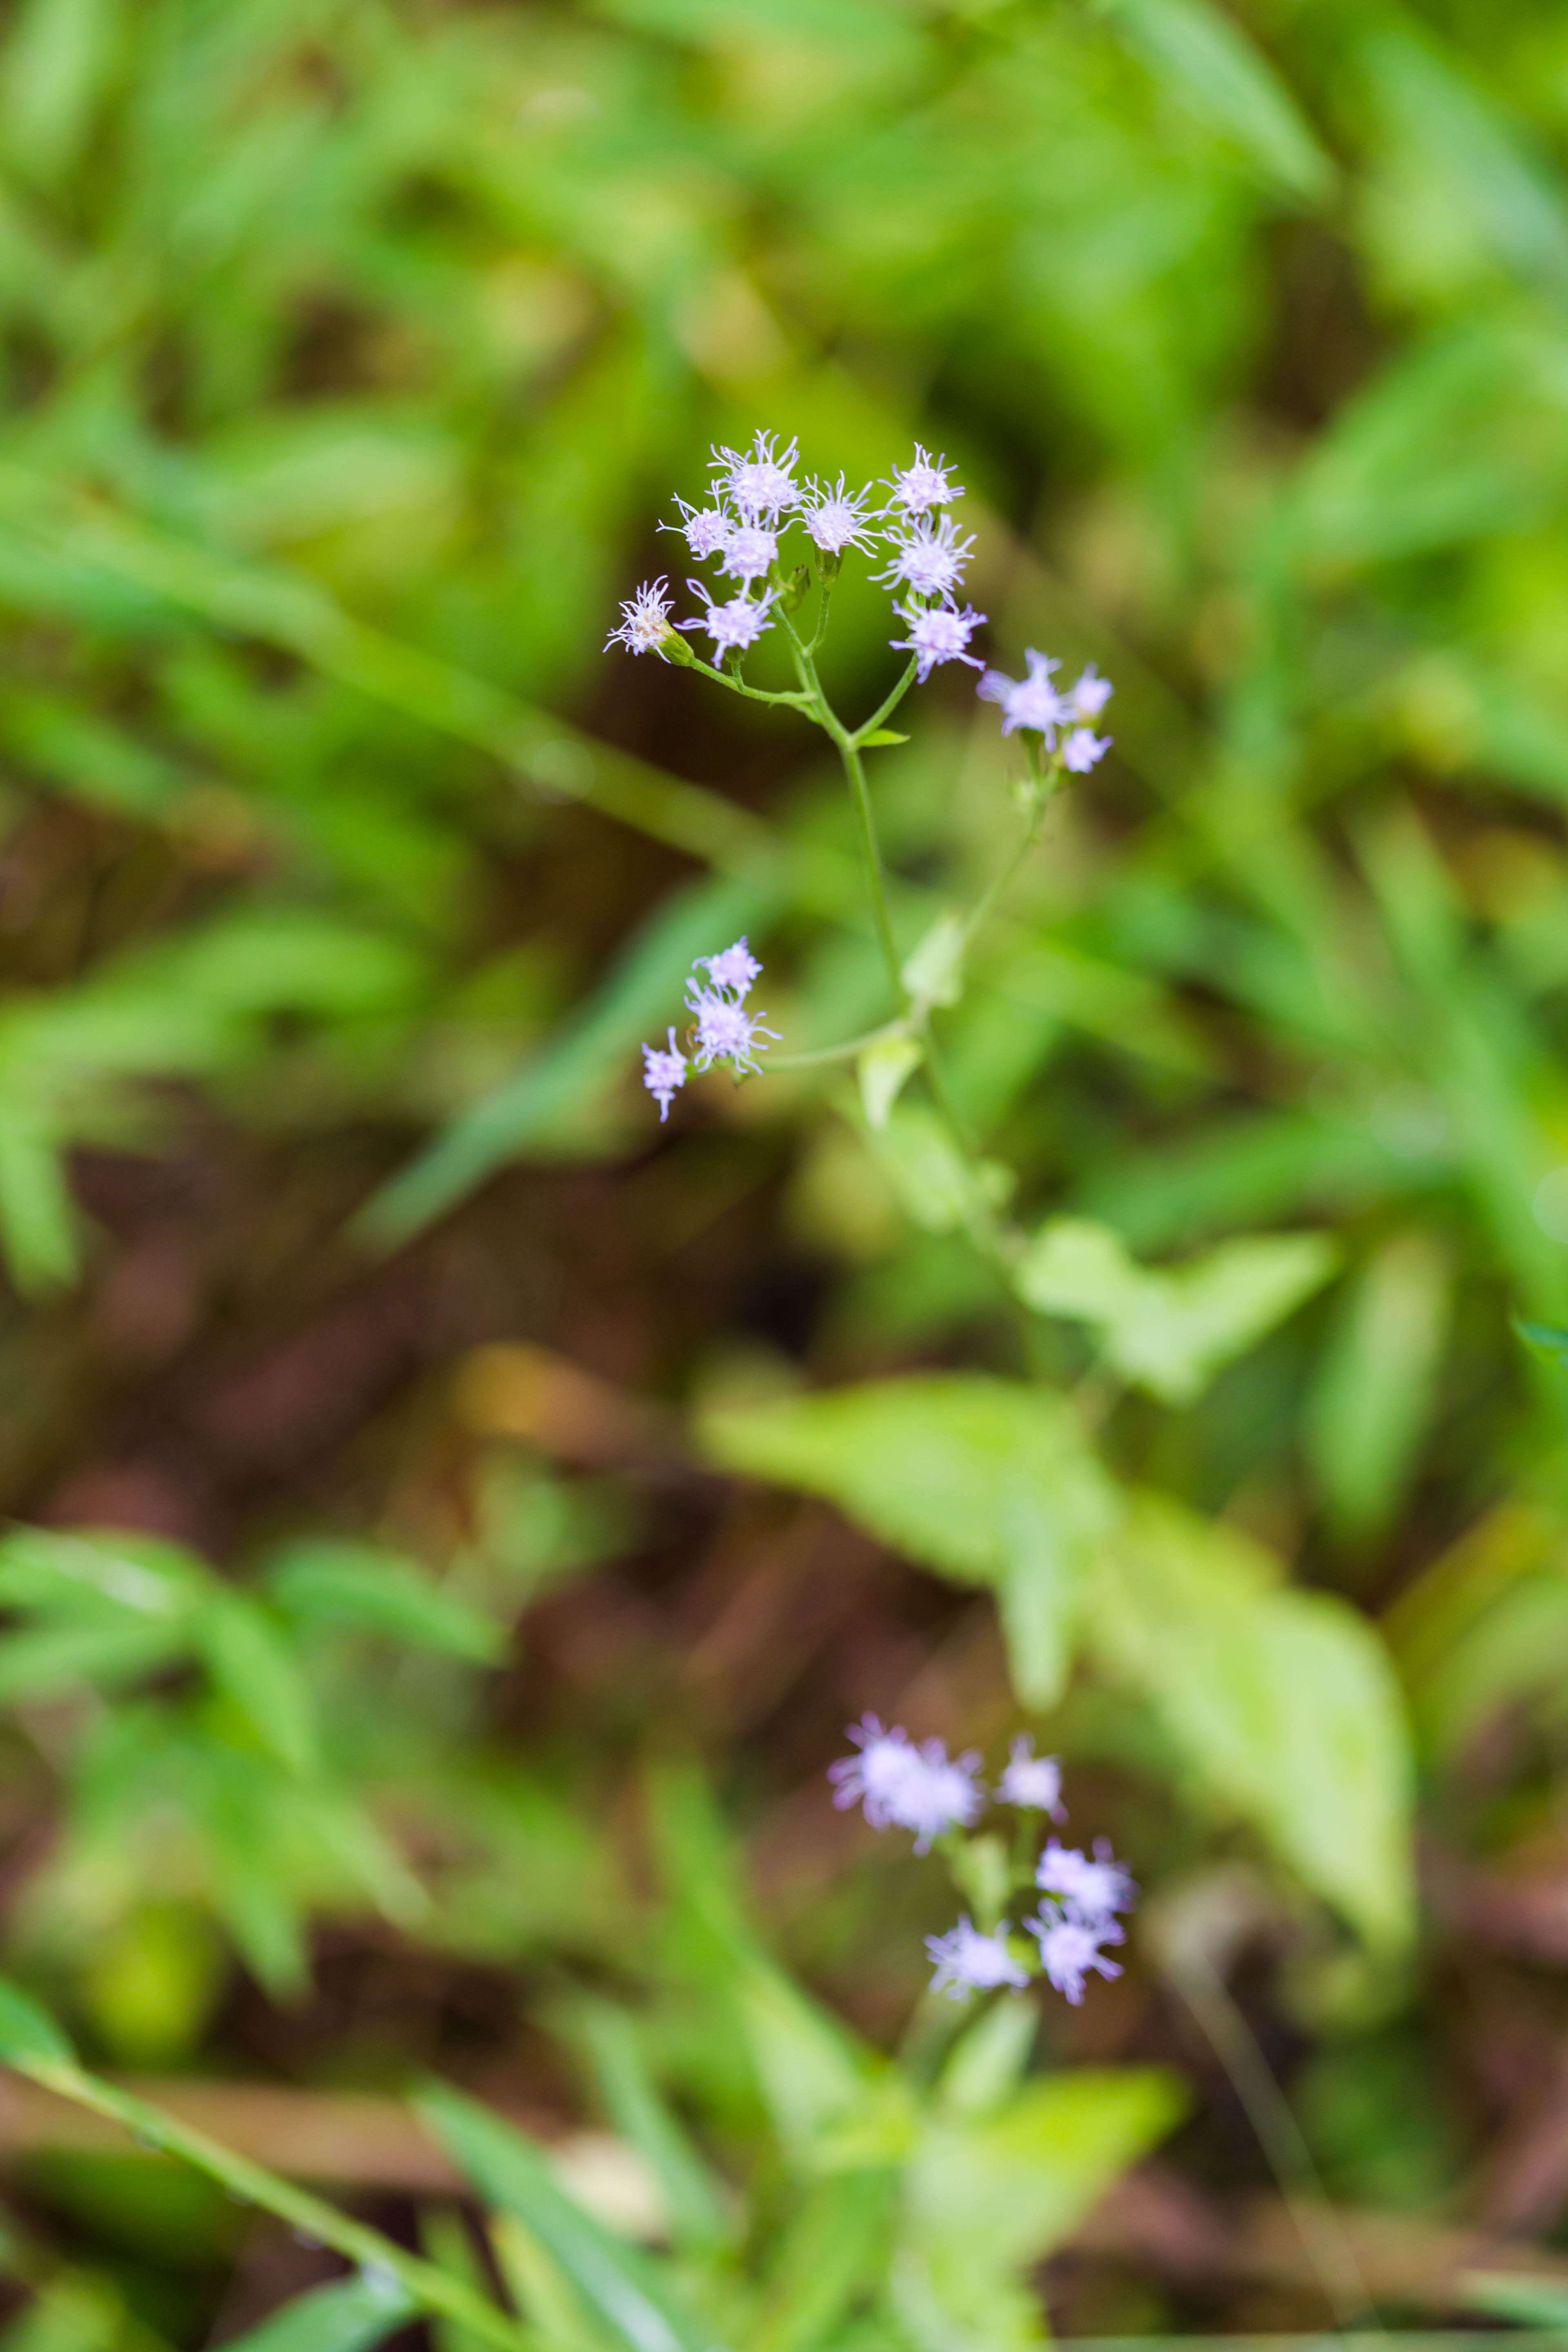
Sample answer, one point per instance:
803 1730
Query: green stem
886 710
985 906
433 2289
845 1053
738 686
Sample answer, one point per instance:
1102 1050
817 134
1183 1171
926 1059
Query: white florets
938 633
644 620
835 517
761 479
929 558
1083 750
1032 1782
705 529
663 1072
733 968
1032 701
750 552
924 484
966 1962
734 625
1092 1891
1070 1947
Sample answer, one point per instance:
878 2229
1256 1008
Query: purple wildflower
1083 750
761 479
733 626
1032 701
644 620
663 1073
1033 1782
876 1775
705 529
1089 698
930 558
837 519
1070 1947
726 1032
937 633
733 969
1089 1891
750 552
966 1962
924 484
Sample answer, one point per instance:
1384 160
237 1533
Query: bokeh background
351 351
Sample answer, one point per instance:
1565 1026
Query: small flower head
705 529
938 633
726 1032
1089 698
663 1073
644 620
929 558
750 552
1032 701
875 1776
1083 750
1092 1892
924 484
942 1793
966 1962
733 969
835 517
1070 1947
1032 1782
733 626
761 479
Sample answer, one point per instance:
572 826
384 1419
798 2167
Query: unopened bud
794 588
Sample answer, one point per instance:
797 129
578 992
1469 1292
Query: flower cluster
923 1789
1040 707
753 504
722 1029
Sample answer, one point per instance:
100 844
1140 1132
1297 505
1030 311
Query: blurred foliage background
444 1662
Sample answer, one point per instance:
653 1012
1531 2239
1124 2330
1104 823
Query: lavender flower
761 479
924 484
1070 1947
966 1962
733 626
726 1032
706 530
1032 701
1084 750
937 633
1089 698
876 1777
1091 1892
644 620
663 1073
930 559
921 1789
1033 1782
837 519
733 969
750 552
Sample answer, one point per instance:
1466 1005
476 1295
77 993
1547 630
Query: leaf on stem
883 1069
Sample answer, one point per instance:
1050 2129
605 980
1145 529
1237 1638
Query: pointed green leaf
28 2035
349 2315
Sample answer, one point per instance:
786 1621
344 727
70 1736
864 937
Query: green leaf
251 1661
325 1583
883 735
1548 1339
933 971
28 2035
1282 1703
988 2196
883 1069
832 2250
1527 2302
697 2216
1208 61
38 1220
622 2287
990 1483
1377 1386
1171 1331
349 2315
